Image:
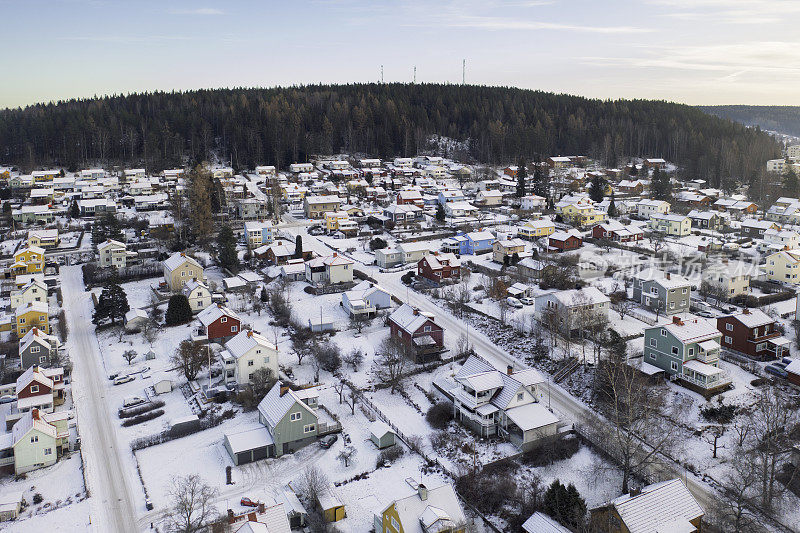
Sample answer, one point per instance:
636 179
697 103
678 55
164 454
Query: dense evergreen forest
782 119
282 125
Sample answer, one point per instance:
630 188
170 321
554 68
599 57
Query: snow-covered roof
584 296
211 313
177 259
665 279
33 373
531 416
420 516
38 336
31 420
409 318
753 318
657 506
135 313
379 429
437 261
248 440
541 523
274 406
691 330
244 341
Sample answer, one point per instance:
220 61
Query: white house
645 208
366 298
245 353
198 294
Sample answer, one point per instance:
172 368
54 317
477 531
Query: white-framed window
729 327
34 388
266 360
520 396
48 451
674 350
663 333
223 319
310 428
653 343
295 416
691 351
761 346
427 329
234 329
672 305
674 366
35 438
685 290
250 362
43 359
652 356
395 524
727 340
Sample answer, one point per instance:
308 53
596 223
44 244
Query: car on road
513 302
119 380
526 301
328 440
776 370
705 314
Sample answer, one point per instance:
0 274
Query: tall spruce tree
111 305
522 177
226 249
597 191
612 207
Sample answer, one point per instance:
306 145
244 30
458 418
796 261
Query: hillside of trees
782 119
282 125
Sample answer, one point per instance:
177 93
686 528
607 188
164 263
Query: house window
43 359
674 350
309 428
520 396
34 388
727 340
729 327
672 305
35 349
652 356
48 451
395 524
674 366
295 416
684 291
653 343
427 329
250 363
691 351
663 333
223 319
266 360
234 329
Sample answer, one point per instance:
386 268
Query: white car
513 302
527 301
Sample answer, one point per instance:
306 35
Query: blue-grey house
479 242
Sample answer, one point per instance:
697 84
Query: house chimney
668 275
510 369
35 413
416 311
636 491
677 320
284 390
745 311
422 490
249 333
334 254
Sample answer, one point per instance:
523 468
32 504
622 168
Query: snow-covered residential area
414 344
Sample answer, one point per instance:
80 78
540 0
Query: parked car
775 370
526 300
513 302
114 376
119 380
328 440
131 401
705 314
7 398
247 502
781 364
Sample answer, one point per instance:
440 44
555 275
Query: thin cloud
505 24
198 11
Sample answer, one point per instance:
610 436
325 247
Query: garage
248 446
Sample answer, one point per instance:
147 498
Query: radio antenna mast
415 74
463 71
381 73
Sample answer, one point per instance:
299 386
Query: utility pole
415 74
381 73
463 71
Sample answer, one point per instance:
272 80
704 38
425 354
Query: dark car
775 370
328 440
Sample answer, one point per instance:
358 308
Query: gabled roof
192 285
31 420
33 373
210 314
541 523
441 505
244 341
409 318
177 259
110 243
273 407
660 277
753 318
436 261
40 307
691 330
657 506
38 336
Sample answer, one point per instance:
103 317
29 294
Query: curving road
112 501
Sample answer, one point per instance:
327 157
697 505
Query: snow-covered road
112 500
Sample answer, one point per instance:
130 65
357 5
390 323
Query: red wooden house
218 322
617 232
752 332
564 241
418 331
439 267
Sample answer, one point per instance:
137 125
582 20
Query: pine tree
179 310
564 504
661 185
541 178
74 210
522 176
226 249
791 186
298 247
597 191
440 214
111 305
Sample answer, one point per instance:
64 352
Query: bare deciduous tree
192 504
390 363
129 355
190 358
354 359
352 398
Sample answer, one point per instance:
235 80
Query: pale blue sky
693 51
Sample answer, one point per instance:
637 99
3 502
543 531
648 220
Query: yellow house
30 315
507 248
670 224
179 269
43 238
536 229
579 210
436 509
783 266
29 260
